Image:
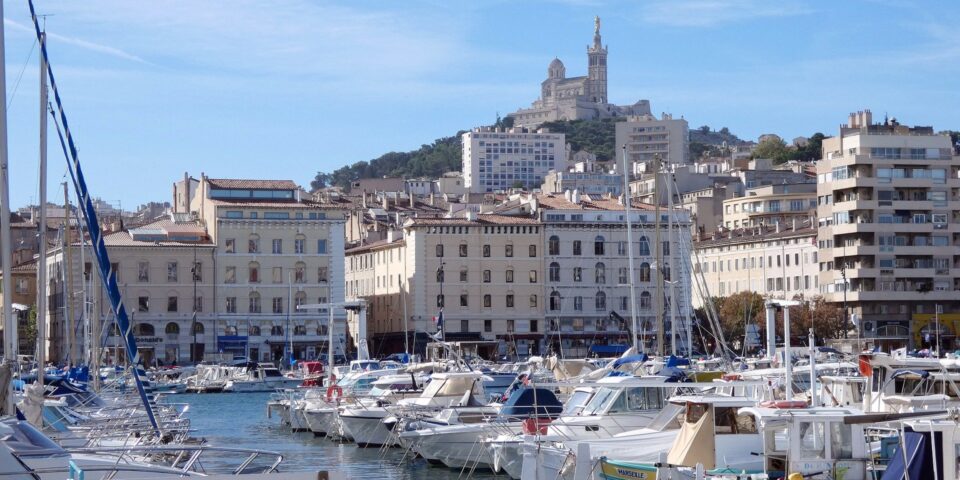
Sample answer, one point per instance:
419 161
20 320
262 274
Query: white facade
646 137
497 160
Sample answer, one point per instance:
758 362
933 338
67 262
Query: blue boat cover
640 357
529 401
609 349
918 464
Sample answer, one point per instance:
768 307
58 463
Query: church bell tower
597 67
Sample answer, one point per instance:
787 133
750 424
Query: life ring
334 389
784 404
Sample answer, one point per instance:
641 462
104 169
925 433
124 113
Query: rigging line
13 93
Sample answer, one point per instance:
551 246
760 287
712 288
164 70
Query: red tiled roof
252 184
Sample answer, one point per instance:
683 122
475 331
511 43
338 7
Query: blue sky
281 89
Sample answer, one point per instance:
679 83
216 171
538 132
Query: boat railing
186 458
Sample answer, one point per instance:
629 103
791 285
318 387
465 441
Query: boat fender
535 426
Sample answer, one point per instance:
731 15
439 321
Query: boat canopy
526 402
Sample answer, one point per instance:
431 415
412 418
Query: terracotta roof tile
252 184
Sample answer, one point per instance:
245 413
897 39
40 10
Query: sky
283 89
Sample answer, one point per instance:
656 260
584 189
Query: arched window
276 330
601 273
644 272
554 245
254 303
554 300
554 272
230 330
145 329
645 300
644 246
253 243
253 330
172 328
197 328
598 245
601 301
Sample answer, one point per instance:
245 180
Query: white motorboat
262 377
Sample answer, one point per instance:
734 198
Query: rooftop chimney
386 201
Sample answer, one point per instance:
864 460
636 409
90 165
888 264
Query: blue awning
609 349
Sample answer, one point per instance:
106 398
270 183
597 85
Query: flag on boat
439 320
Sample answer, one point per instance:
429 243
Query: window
440 301
322 246
253 244
508 250
553 246
277 304
172 304
298 300
510 300
230 246
299 329
277 246
554 301
621 248
666 247
23 286
578 303
231 305
601 301
440 250
171 271
598 245
487 301
600 276
440 274
645 300
322 276
486 276
509 275
172 329
277 274
644 246
576 247
533 276
143 271
622 274
254 304
554 272
533 301
533 326
197 271
298 244
463 274
300 272
532 250
253 330
198 304
577 274
812 441
143 304
276 330
486 250
197 328
464 299
487 325
511 326
230 275
464 325
463 249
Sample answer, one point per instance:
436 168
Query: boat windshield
602 400
575 403
271 372
450 386
25 440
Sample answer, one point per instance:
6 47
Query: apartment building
646 137
223 273
496 159
771 204
888 197
597 182
776 260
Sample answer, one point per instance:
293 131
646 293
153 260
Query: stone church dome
556 69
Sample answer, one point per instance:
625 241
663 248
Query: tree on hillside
773 148
321 180
812 150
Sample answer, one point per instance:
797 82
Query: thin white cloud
709 13
78 42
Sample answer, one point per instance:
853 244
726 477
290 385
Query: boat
259 377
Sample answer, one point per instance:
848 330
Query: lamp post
443 302
843 274
193 325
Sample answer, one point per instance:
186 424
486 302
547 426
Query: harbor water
240 420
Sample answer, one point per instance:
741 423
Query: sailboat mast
6 259
42 225
674 277
627 200
68 273
658 255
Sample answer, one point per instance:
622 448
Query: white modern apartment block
889 197
647 136
775 260
496 160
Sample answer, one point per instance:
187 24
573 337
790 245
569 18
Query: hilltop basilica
577 98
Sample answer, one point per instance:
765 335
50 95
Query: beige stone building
771 204
776 261
888 199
